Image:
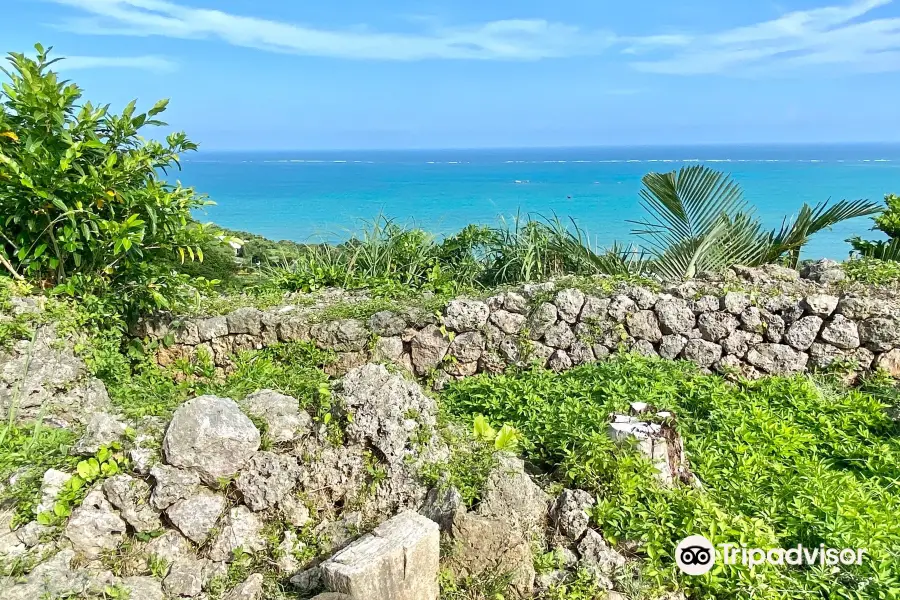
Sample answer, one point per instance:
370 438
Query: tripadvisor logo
695 555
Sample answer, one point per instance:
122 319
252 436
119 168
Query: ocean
325 195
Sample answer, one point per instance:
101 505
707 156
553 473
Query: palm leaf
794 235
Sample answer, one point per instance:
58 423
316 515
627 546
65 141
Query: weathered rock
240 529
185 578
701 352
824 271
751 320
889 362
510 494
307 581
267 479
594 309
244 320
704 304
168 547
735 302
820 305
294 511
644 326
509 323
569 303
172 485
51 485
715 326
644 298
560 336
251 589
880 333
102 430
823 356
541 319
569 513
581 353
484 546
803 332
739 342
671 346
467 347
294 328
132 497
856 308
197 515
621 306
282 415
559 361
466 315
516 303
429 347
211 436
345 335
211 328
388 349
596 553
777 359
642 348
143 588
674 316
94 526
397 561
842 333
440 504
386 324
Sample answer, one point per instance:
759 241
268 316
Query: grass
782 460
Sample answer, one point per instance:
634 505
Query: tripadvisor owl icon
695 555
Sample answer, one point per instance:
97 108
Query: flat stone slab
397 561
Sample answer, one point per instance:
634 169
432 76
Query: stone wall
758 321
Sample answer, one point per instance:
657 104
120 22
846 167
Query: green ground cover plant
782 461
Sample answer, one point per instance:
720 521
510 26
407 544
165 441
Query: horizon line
559 147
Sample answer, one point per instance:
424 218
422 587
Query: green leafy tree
888 222
82 200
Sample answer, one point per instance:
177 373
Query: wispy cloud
517 39
147 63
830 36
844 36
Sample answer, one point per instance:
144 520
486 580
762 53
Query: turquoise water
311 196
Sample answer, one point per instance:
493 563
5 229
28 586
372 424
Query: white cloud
522 39
836 36
147 63
846 37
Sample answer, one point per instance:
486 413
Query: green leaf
483 430
507 439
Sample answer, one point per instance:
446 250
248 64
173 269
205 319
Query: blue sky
280 74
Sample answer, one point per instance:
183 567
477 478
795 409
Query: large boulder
211 436
399 560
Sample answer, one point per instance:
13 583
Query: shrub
782 461
82 200
888 222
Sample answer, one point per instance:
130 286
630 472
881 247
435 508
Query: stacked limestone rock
753 322
186 510
210 490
